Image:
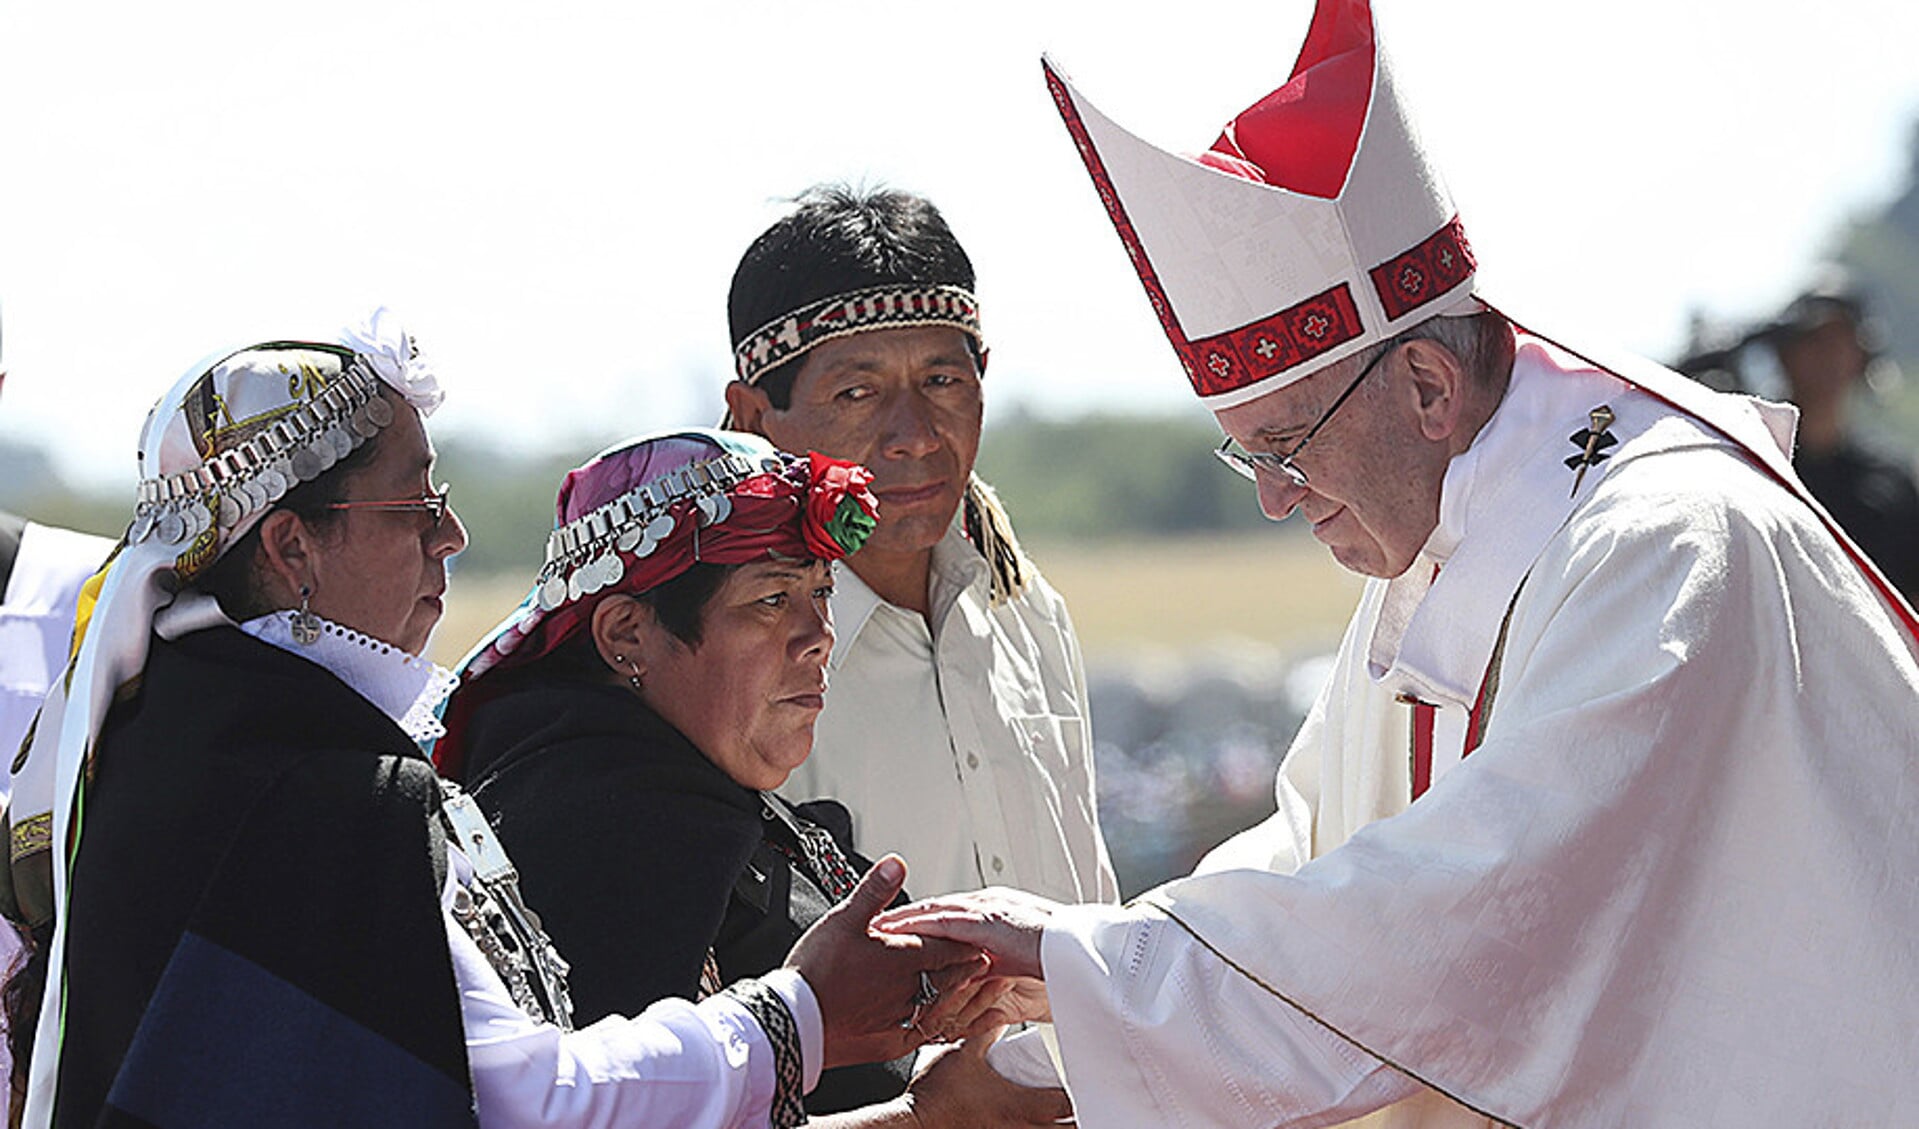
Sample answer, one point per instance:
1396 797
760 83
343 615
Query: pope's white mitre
1312 228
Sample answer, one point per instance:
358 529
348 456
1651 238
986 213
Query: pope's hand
1008 924
870 984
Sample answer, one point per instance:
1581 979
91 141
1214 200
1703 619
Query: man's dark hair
838 239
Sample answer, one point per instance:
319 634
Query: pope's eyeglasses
1248 464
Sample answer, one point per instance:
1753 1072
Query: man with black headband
957 678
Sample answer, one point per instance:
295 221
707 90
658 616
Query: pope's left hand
1008 924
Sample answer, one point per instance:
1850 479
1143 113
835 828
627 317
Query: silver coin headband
583 556
246 479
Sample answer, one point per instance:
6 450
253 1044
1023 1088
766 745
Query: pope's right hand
867 982
1008 924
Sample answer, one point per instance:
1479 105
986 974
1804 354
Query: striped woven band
876 307
783 1034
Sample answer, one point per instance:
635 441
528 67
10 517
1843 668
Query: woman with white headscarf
267 911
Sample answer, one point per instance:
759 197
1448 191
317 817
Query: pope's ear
748 405
1438 380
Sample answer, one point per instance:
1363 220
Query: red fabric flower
840 508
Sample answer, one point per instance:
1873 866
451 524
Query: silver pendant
305 627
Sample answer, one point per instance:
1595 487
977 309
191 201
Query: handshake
942 970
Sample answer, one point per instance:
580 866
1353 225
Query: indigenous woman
625 728
271 914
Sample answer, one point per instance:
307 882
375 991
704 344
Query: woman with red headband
625 728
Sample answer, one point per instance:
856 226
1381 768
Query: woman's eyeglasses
433 503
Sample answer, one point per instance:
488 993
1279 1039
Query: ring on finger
927 995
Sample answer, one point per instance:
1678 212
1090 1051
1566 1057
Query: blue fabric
225 1043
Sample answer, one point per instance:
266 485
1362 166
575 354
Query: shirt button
998 864
972 760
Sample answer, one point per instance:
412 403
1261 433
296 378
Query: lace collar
406 688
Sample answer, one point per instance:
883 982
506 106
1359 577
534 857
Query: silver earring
304 624
634 678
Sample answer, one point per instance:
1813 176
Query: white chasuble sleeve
1155 1030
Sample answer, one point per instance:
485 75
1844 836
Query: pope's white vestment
1674 886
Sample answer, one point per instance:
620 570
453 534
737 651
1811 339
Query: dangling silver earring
304 624
634 678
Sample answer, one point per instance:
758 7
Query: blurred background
554 198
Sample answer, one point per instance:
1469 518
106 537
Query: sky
554 195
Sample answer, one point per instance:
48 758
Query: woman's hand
1008 924
958 1089
869 984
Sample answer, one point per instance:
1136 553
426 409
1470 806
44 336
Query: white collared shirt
964 745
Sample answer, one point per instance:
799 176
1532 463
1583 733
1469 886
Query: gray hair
1481 341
